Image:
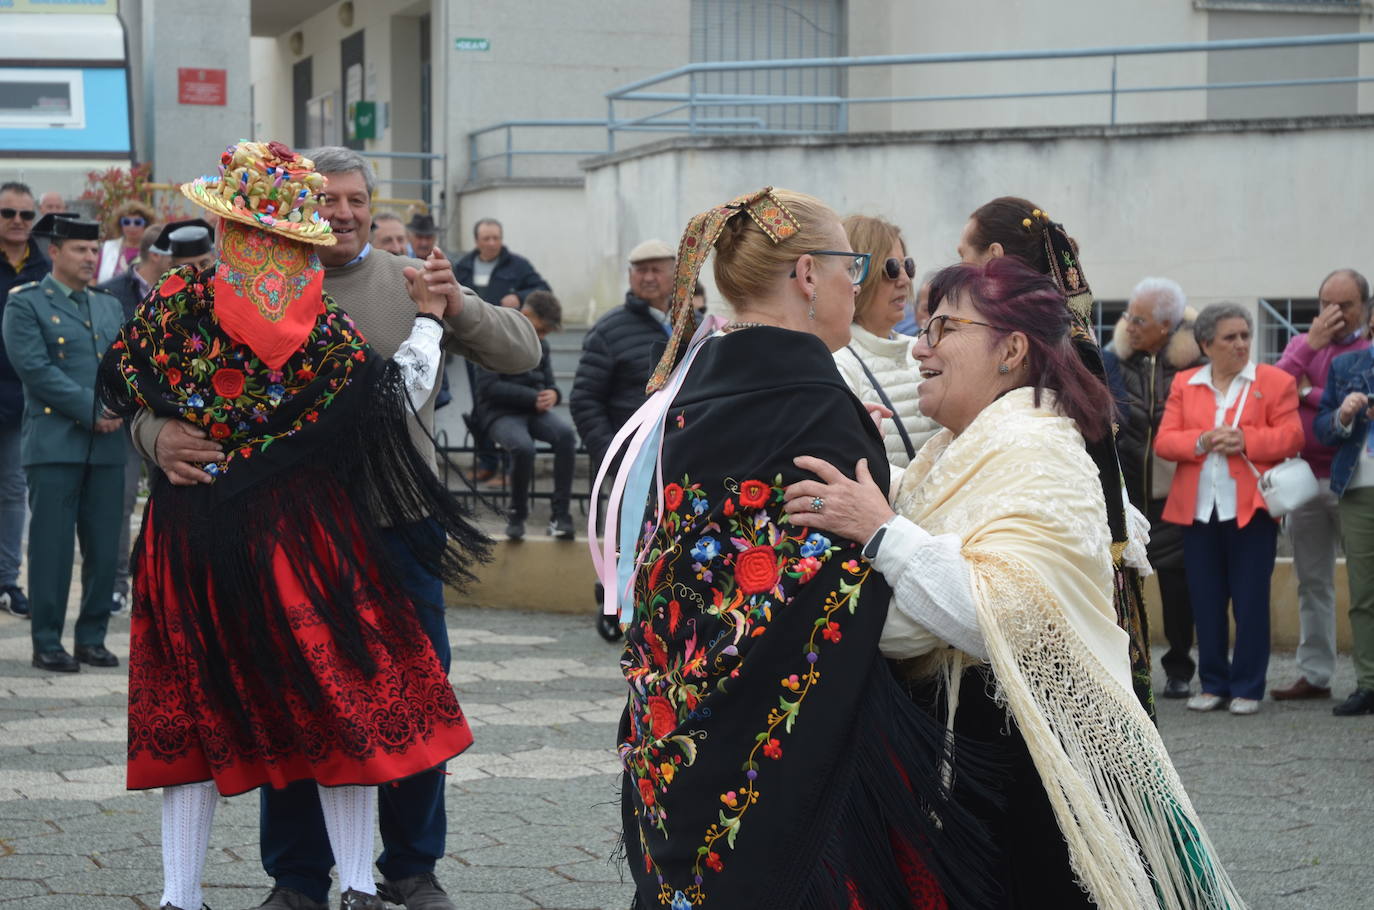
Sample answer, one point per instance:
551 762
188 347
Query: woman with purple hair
998 550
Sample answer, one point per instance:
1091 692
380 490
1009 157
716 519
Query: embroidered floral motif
747 563
224 387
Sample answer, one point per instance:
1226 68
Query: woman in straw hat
771 760
272 636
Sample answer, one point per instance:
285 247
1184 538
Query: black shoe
12 598
515 529
561 527
1177 688
608 627
1361 701
58 661
419 892
95 655
283 898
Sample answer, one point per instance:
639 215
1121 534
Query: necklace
736 326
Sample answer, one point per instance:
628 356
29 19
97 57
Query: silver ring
817 504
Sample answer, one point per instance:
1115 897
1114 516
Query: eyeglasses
857 266
133 221
935 328
24 214
894 267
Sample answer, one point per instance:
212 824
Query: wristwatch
870 550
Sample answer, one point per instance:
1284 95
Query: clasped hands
1223 440
433 287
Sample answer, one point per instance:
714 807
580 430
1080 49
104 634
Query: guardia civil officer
55 332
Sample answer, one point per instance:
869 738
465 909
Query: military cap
192 237
43 227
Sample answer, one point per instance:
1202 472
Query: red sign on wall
196 86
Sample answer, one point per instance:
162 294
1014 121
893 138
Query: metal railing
696 111
510 152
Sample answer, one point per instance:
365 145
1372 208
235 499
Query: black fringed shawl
318 464
771 760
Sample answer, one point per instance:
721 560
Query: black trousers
1175 604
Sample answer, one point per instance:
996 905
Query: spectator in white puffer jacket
877 364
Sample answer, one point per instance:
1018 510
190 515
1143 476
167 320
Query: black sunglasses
25 214
894 267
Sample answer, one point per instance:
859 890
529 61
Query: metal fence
1279 321
686 100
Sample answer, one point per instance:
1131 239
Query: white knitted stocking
350 816
188 811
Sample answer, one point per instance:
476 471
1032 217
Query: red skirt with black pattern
364 729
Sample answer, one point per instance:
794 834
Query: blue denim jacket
1353 372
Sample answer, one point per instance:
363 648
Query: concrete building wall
542 222
1232 211
185 140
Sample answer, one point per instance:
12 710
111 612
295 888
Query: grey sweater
373 293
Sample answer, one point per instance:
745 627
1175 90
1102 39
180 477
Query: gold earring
811 314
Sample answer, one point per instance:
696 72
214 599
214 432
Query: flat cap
652 249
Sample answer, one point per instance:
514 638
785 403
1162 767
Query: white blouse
1216 488
419 358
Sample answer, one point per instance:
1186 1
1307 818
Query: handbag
1287 485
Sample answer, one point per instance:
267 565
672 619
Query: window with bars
770 30
1279 320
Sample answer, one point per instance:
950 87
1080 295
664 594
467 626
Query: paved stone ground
1288 795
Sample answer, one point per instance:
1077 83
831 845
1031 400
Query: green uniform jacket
55 346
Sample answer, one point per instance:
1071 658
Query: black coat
506 394
11 389
1141 391
125 288
512 275
618 355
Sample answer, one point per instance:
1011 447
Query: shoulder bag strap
887 402
1235 422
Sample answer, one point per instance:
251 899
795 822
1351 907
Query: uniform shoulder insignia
24 287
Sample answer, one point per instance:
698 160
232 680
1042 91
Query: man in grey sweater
371 287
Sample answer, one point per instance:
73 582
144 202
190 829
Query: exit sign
471 44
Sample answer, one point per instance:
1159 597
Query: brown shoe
1300 689
480 475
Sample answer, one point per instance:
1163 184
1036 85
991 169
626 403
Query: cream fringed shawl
1019 490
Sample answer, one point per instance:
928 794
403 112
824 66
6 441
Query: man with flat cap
618 355
421 234
55 332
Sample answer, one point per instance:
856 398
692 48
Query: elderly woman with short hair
877 364
1152 343
999 554
1219 417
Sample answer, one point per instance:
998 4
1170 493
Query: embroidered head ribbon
765 209
1066 270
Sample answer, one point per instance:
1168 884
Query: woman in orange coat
1218 415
